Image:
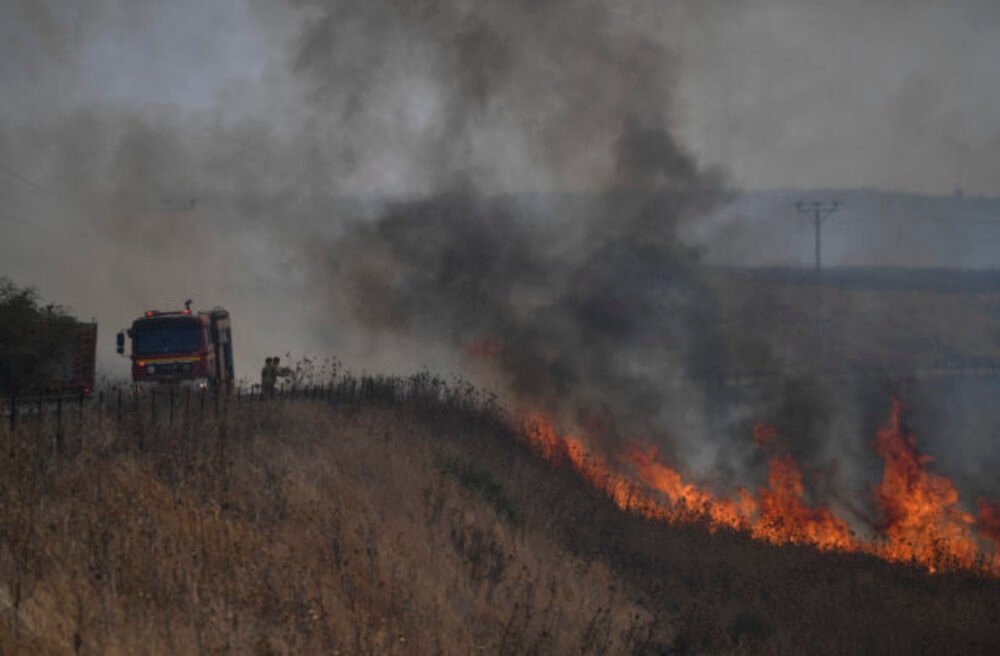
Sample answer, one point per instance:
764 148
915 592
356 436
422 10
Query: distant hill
937 280
871 229
872 318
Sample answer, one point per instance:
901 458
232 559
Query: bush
32 336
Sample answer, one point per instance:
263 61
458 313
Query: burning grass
410 516
923 523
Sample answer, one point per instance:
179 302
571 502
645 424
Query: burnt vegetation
401 515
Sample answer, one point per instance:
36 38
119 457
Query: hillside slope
393 526
323 532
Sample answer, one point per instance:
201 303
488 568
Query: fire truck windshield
166 335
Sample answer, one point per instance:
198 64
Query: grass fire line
922 520
356 515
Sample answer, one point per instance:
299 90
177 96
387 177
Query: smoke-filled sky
782 93
857 93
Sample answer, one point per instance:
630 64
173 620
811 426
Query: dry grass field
871 319
393 521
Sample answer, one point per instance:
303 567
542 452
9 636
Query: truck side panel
75 370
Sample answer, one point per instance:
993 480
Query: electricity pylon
820 212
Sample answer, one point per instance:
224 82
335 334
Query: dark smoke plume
589 305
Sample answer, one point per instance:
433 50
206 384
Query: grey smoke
594 303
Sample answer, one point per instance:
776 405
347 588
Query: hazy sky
883 93
780 93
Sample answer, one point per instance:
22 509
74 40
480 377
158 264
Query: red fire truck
182 347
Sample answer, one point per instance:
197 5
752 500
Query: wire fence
145 417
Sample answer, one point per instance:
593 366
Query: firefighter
279 371
267 378
270 374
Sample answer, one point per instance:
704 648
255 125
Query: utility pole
820 212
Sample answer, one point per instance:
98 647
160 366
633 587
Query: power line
15 219
820 212
20 178
37 225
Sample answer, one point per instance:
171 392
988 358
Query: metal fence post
59 433
138 417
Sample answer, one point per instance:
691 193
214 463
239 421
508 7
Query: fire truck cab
181 347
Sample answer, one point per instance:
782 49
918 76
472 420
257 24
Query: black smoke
596 308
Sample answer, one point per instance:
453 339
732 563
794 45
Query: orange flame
764 435
785 517
923 522
484 347
989 520
688 501
568 450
